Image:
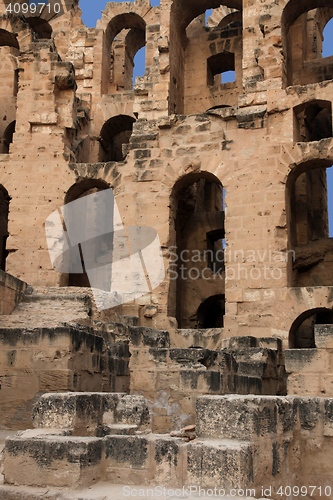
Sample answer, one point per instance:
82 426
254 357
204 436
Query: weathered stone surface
90 414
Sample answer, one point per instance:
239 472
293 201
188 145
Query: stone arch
196 210
328 29
4 210
40 26
302 334
83 187
182 14
211 312
114 134
307 224
222 16
15 31
184 11
8 39
8 137
125 35
313 121
303 71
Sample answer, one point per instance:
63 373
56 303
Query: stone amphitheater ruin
220 377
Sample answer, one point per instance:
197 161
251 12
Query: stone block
324 336
90 414
246 418
304 384
168 461
306 360
220 463
127 459
32 461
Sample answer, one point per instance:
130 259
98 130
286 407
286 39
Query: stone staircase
243 446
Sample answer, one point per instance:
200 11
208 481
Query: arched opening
40 26
302 331
90 16
328 39
217 64
4 210
197 266
303 24
211 312
79 190
114 135
8 39
139 64
125 36
9 52
308 225
8 137
313 121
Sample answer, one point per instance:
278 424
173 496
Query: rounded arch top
184 11
15 31
294 9
191 178
128 20
82 186
116 125
119 16
305 166
301 333
8 39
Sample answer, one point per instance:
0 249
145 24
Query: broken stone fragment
187 433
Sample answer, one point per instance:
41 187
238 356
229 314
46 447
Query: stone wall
251 443
34 361
11 292
63 93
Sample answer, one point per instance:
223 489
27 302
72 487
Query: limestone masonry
221 376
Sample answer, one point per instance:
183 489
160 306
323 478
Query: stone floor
101 491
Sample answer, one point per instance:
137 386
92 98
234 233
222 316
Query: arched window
125 36
212 76
302 331
328 40
303 25
8 137
308 216
197 267
313 121
8 39
211 312
115 133
77 191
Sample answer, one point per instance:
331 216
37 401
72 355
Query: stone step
122 429
227 463
236 417
50 458
91 414
99 491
